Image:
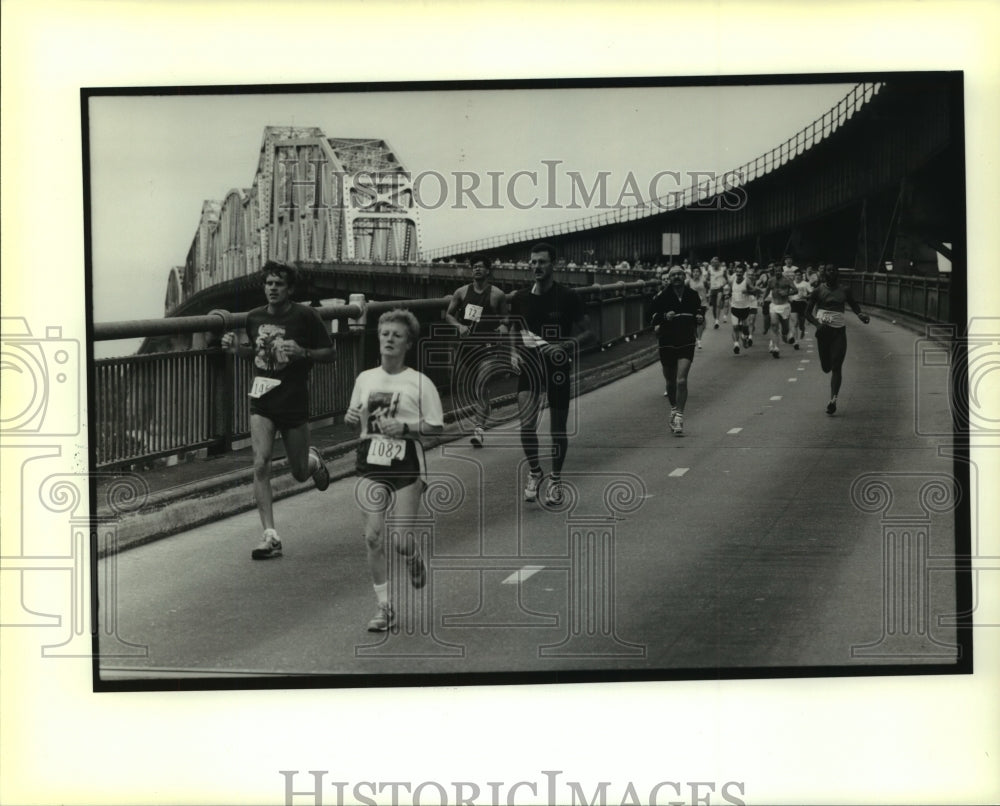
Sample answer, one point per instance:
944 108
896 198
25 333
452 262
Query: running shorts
739 315
670 355
283 422
831 344
782 309
399 474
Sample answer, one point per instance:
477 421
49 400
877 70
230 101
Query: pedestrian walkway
192 492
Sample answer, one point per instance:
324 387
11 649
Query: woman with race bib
395 406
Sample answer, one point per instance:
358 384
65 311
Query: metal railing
927 298
797 144
165 404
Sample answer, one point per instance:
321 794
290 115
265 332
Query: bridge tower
314 201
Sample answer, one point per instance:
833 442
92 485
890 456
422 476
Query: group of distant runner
536 333
787 297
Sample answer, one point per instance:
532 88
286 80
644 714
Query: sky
156 158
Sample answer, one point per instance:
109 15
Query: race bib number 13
384 450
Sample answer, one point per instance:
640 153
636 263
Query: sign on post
671 243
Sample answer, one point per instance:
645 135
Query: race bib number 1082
384 450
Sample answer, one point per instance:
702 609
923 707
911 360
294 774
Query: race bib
384 450
473 313
261 386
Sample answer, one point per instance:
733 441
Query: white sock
382 592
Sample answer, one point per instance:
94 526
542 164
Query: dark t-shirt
266 332
837 298
681 331
549 316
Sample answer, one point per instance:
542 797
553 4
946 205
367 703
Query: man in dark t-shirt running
548 325
479 311
676 313
285 338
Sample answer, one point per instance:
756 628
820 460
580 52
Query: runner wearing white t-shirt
395 406
799 302
717 280
740 304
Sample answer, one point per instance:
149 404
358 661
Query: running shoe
736 348
698 342
320 476
554 495
716 325
677 424
531 488
383 619
417 569
831 407
270 546
477 437
775 353
795 344
749 341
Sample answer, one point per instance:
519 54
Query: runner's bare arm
499 300
231 343
453 306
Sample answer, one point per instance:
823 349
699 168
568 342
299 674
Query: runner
696 282
479 311
799 302
285 338
395 406
548 324
727 293
782 289
717 280
742 301
751 272
677 312
826 311
763 284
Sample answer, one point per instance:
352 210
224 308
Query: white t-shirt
742 298
408 395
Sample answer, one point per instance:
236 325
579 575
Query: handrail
222 321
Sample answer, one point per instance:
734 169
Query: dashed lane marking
522 574
734 430
678 472
775 397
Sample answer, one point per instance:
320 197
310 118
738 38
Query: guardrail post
222 382
357 327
